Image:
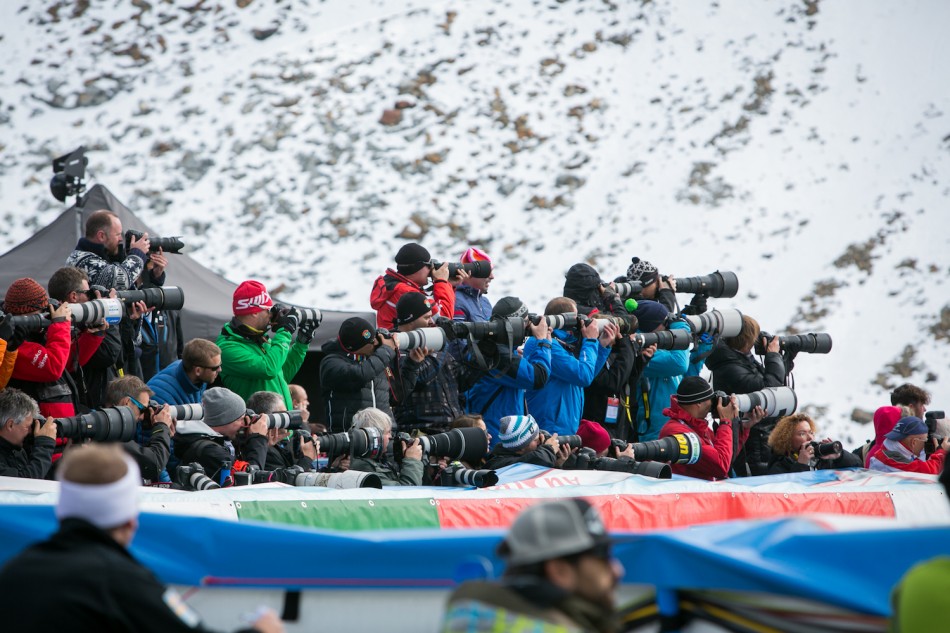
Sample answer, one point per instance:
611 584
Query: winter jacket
116 593
280 456
610 392
715 458
172 386
7 361
162 341
94 377
781 464
16 461
735 372
262 364
431 388
527 604
214 451
885 419
40 371
389 287
501 391
471 304
349 383
894 457
658 382
408 473
558 405
500 457
152 457
93 259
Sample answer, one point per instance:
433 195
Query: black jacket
82 580
18 462
431 391
152 457
281 457
350 383
781 464
162 342
93 377
501 457
734 372
213 452
618 379
582 284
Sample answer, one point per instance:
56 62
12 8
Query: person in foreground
97 584
793 448
560 576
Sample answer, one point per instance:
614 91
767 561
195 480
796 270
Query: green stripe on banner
344 515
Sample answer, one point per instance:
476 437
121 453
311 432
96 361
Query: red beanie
594 436
250 298
24 296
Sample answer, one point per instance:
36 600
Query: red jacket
715 459
389 287
933 465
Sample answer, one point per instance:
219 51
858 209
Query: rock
391 117
861 416
404 105
262 34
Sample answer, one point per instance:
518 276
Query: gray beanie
222 406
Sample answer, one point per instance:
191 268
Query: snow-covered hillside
804 145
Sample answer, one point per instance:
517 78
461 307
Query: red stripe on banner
651 512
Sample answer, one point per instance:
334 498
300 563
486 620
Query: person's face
230 431
649 292
481 424
915 443
16 434
112 237
366 350
208 373
301 403
919 409
258 320
596 578
139 405
79 296
703 408
803 435
423 321
481 284
386 437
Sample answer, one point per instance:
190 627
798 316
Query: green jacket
248 366
921 598
409 472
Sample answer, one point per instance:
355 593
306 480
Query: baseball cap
906 427
554 529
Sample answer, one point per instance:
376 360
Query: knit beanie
509 307
517 431
411 258
250 298
354 333
474 254
410 307
594 436
693 389
650 314
25 295
222 406
642 271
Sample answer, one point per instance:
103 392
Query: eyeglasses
215 368
141 407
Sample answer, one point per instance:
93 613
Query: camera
777 401
192 477
69 173
292 420
587 460
823 449
479 270
113 424
664 339
566 321
167 298
935 429
366 442
167 244
507 331
466 444
626 323
627 289
432 338
717 284
88 313
304 315
682 448
811 343
726 323
339 481
455 474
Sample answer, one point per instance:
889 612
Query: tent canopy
207 294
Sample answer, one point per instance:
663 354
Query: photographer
212 441
432 380
249 360
521 442
611 399
413 269
908 395
471 304
694 400
408 472
736 370
501 391
102 244
575 361
19 418
590 293
793 451
903 450
356 372
184 381
279 454
661 288
154 427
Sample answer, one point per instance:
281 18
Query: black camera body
479 270
823 449
455 474
171 245
192 477
811 343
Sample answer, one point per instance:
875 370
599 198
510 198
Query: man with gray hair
279 454
97 584
378 425
561 576
19 416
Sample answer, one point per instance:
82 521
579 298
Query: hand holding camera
540 330
286 319
728 411
806 453
442 272
589 329
60 313
141 243
257 424
412 450
44 429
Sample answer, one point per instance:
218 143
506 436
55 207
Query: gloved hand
287 321
6 328
12 334
697 305
305 333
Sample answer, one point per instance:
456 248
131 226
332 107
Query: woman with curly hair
793 450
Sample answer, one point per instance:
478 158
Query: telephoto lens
339 481
628 289
726 323
97 311
292 420
113 424
465 444
182 412
718 284
192 477
664 339
166 298
777 401
682 448
824 449
430 337
455 474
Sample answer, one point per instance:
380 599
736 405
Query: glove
305 333
697 305
6 328
287 321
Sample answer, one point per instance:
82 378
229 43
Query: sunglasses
215 368
141 407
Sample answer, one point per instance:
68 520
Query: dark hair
198 352
560 305
908 394
264 401
99 221
127 386
467 420
748 334
65 280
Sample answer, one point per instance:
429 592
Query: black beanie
509 307
412 257
410 307
693 389
355 333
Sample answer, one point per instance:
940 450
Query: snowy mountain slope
802 145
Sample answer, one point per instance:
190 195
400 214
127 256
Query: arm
577 371
787 465
295 358
410 472
541 456
37 363
39 463
444 295
88 343
254 450
240 359
531 370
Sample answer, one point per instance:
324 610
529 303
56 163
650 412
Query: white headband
104 505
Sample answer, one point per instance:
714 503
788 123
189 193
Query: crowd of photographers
446 387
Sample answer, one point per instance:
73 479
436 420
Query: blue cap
906 427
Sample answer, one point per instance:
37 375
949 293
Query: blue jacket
659 381
471 304
171 386
558 406
501 393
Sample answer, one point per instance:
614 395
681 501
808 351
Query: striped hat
474 254
24 296
517 431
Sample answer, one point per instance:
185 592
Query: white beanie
517 431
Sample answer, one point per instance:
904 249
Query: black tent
207 294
